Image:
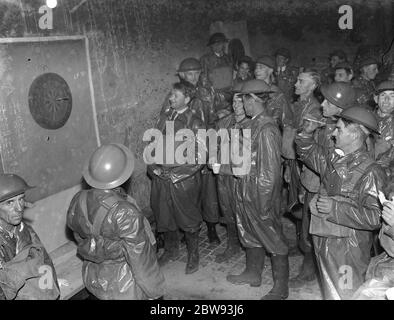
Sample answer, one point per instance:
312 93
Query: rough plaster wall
136 46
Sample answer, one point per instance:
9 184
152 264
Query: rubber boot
307 273
280 272
171 248
233 245
193 257
213 237
254 267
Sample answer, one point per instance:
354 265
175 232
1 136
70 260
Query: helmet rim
124 176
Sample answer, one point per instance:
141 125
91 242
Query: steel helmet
189 64
267 60
256 86
216 38
361 115
385 86
344 65
342 94
12 185
109 166
238 86
284 52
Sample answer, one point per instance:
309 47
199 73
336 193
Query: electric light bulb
51 3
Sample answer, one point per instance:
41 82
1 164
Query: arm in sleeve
312 154
138 250
268 164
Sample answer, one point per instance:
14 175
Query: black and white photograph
196 155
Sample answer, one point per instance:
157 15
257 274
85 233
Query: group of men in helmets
325 138
322 141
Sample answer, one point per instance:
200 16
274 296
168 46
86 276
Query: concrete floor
209 282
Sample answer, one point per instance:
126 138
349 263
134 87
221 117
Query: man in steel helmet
384 144
335 57
285 74
218 71
216 58
257 196
343 72
225 182
203 97
114 239
346 210
176 187
202 103
278 106
338 96
22 254
364 83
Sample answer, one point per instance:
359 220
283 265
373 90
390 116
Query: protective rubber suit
21 257
286 80
343 238
300 109
384 143
257 193
365 91
380 273
117 246
180 182
279 108
203 106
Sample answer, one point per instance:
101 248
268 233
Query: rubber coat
365 90
257 194
355 214
119 263
286 80
21 257
384 143
300 108
175 193
226 182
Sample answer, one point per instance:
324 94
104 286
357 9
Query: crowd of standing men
320 140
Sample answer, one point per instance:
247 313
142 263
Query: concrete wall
136 46
48 218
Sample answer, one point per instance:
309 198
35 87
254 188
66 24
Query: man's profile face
343 135
11 210
249 101
304 84
191 76
341 75
238 105
330 109
386 101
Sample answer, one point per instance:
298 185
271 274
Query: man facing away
114 239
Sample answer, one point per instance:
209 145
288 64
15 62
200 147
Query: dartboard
50 101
